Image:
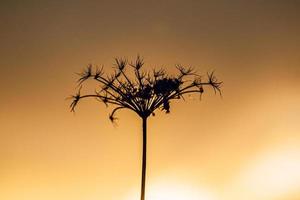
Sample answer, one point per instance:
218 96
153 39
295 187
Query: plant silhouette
142 92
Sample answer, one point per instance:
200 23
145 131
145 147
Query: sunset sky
243 146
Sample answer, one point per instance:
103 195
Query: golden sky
243 146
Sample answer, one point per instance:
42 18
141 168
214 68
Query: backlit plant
143 92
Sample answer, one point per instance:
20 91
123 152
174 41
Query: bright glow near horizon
272 174
174 191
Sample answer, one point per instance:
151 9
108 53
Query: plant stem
144 159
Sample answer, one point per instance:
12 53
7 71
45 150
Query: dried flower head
144 93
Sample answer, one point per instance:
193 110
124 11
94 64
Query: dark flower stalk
143 94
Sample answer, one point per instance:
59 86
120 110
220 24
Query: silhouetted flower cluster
146 91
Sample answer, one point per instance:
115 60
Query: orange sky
243 146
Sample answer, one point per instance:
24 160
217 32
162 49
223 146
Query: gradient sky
243 146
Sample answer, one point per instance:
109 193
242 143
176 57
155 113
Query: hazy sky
243 146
